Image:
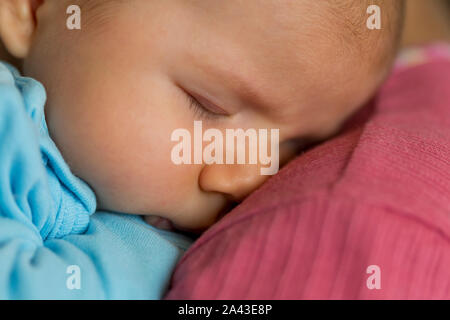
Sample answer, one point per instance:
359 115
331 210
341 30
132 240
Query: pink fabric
377 194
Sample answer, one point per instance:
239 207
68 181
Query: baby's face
118 87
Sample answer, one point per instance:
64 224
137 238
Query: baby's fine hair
353 15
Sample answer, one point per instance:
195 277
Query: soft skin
117 89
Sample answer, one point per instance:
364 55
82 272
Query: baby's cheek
143 179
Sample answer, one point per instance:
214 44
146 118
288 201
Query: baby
118 87
137 70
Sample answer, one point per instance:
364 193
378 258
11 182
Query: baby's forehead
287 32
287 27
288 14
268 15
277 22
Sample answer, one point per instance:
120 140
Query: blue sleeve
119 257
25 201
46 250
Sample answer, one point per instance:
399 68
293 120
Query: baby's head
121 85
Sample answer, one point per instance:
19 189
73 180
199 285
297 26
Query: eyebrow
244 88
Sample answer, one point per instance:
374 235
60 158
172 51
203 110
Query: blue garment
47 224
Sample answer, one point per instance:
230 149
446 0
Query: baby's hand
159 223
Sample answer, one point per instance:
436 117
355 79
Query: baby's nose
235 181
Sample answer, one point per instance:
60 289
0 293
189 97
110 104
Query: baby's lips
159 222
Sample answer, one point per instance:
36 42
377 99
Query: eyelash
200 110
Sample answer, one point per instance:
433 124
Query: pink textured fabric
376 194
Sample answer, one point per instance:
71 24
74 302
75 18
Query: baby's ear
17 25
